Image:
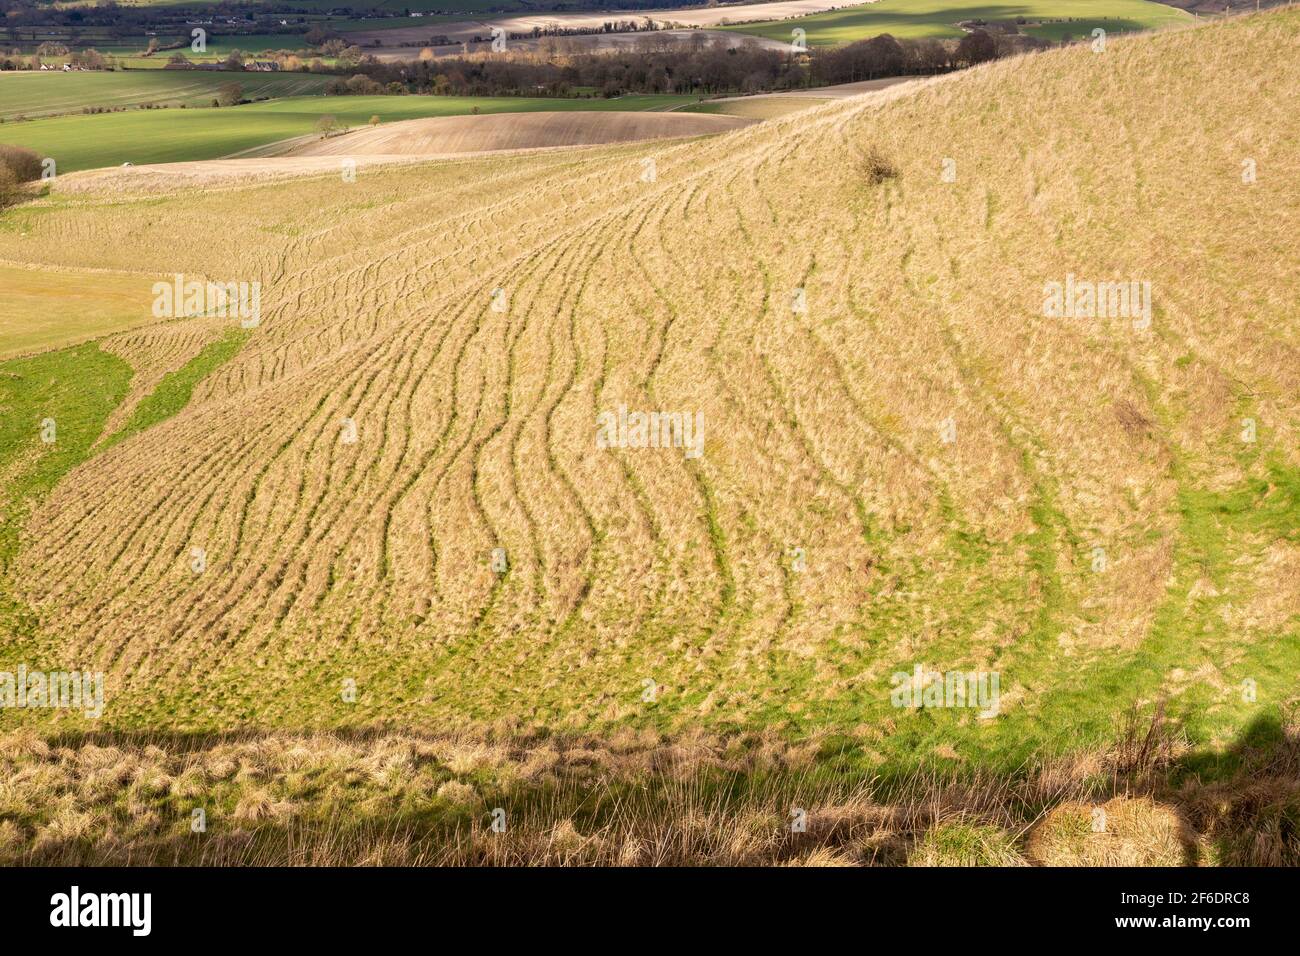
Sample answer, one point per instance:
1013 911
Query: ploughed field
469 134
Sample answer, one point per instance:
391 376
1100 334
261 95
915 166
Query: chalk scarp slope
906 459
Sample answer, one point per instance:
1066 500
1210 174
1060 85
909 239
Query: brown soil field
407 141
765 106
449 135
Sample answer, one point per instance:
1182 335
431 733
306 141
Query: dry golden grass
476 428
206 174
45 308
1119 832
759 107
632 799
154 351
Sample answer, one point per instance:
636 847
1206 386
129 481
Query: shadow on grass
390 798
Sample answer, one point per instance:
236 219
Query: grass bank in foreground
633 799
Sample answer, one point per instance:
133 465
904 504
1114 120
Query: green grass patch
173 392
173 136
50 94
75 389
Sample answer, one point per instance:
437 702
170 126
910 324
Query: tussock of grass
963 844
1119 832
877 167
632 799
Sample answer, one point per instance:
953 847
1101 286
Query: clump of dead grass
1122 831
878 167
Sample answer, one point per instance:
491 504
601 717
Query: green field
220 46
914 19
49 94
393 23
172 136
324 6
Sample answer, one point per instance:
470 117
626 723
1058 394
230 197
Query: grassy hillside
90 304
166 136
939 18
917 466
44 94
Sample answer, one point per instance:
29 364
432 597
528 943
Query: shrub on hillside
24 164
232 94
10 189
878 167
361 85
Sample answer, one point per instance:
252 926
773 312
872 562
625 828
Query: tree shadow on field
1244 801
597 802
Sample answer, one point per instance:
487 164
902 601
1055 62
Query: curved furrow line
726 595
588 558
316 530
526 270
512 426
564 257
325 417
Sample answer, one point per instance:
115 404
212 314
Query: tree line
704 66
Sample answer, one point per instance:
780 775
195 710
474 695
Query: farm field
427 24
169 136
939 18
459 29
378 565
132 49
755 107
44 94
468 134
89 305
324 6
771 105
